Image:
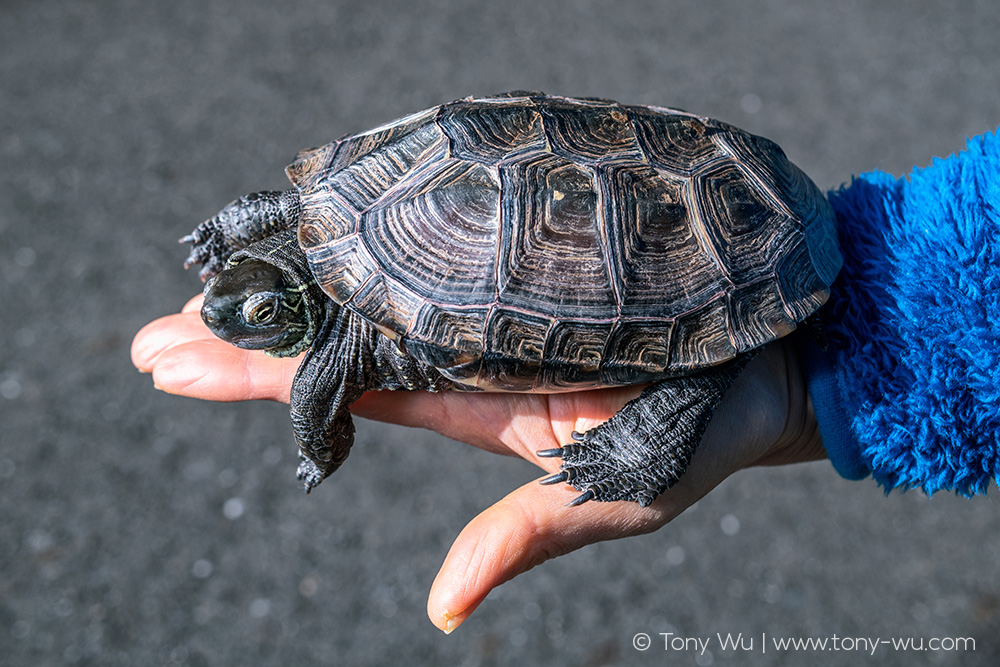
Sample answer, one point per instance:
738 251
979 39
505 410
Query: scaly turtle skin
526 243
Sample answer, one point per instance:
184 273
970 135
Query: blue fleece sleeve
909 389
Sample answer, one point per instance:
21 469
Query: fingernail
451 622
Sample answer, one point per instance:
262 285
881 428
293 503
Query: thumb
533 524
528 527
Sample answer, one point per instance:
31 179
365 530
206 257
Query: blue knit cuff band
830 408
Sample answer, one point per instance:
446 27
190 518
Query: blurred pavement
138 528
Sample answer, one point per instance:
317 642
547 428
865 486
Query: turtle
525 242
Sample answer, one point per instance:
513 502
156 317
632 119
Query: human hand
764 419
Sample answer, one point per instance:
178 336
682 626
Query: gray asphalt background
138 528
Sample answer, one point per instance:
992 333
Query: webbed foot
645 448
308 473
605 464
211 248
248 219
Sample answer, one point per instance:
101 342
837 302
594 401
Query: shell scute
589 131
674 141
759 309
450 339
636 347
514 345
450 213
802 289
748 231
573 354
390 305
701 334
368 176
342 267
551 255
658 243
490 132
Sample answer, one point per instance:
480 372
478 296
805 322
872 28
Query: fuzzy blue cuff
910 389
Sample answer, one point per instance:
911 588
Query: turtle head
254 306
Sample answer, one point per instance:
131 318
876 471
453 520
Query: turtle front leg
645 448
334 373
247 220
324 439
347 358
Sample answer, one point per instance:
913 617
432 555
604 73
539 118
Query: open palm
764 419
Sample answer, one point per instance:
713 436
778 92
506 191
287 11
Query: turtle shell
526 242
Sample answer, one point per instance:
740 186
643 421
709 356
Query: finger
212 369
528 527
166 332
185 358
500 423
533 524
473 418
194 304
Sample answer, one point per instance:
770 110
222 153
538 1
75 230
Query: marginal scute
310 164
577 343
573 355
802 290
701 338
447 337
516 335
386 303
821 239
513 345
756 313
636 347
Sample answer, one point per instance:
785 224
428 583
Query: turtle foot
645 448
308 473
210 248
594 465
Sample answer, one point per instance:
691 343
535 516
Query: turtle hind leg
645 448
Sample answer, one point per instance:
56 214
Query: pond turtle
526 243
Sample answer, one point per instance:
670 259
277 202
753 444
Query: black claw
556 478
579 437
581 499
198 254
309 474
550 453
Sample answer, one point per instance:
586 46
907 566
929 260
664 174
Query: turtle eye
260 309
